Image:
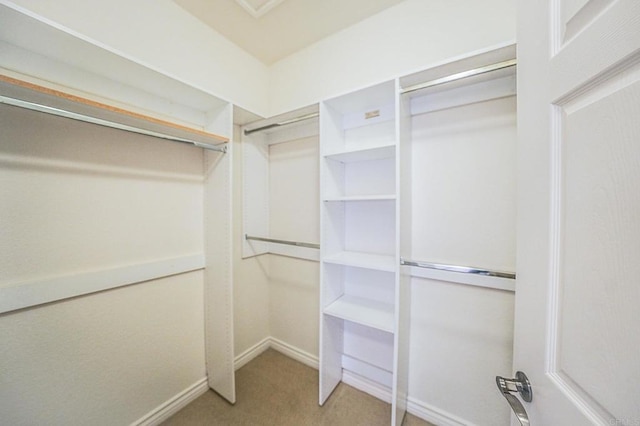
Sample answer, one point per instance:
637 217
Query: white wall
273 292
411 36
104 359
77 198
161 35
469 217
464 213
461 338
294 215
250 275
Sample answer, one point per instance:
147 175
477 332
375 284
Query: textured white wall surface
461 338
468 217
272 292
464 212
411 36
102 359
250 275
76 198
294 214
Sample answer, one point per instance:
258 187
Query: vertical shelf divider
362 305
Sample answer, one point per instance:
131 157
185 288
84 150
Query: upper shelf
82 68
25 94
363 100
444 72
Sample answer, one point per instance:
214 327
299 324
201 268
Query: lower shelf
362 311
378 262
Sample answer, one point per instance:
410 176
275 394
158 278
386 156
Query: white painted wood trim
415 407
255 193
377 375
173 405
295 353
434 415
248 355
32 293
365 385
284 348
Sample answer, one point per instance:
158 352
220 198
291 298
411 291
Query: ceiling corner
258 8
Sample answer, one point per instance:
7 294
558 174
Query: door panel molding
577 299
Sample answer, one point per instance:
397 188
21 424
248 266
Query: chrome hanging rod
88 119
282 123
460 76
461 269
289 243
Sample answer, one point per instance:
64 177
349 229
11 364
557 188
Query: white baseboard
415 407
292 352
280 346
251 353
434 415
173 405
367 386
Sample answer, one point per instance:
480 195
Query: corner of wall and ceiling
258 8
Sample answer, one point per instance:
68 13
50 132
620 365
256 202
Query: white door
578 287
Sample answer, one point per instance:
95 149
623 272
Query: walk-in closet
389 212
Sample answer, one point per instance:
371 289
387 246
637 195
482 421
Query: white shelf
367 312
377 262
359 171
89 70
364 154
382 197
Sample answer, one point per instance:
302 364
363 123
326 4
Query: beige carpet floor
275 390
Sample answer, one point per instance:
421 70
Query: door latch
520 385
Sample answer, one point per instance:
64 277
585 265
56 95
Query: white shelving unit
359 278
78 79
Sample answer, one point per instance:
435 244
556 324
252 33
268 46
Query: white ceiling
273 29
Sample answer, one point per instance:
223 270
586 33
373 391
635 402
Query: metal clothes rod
462 269
282 123
88 119
461 75
290 243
